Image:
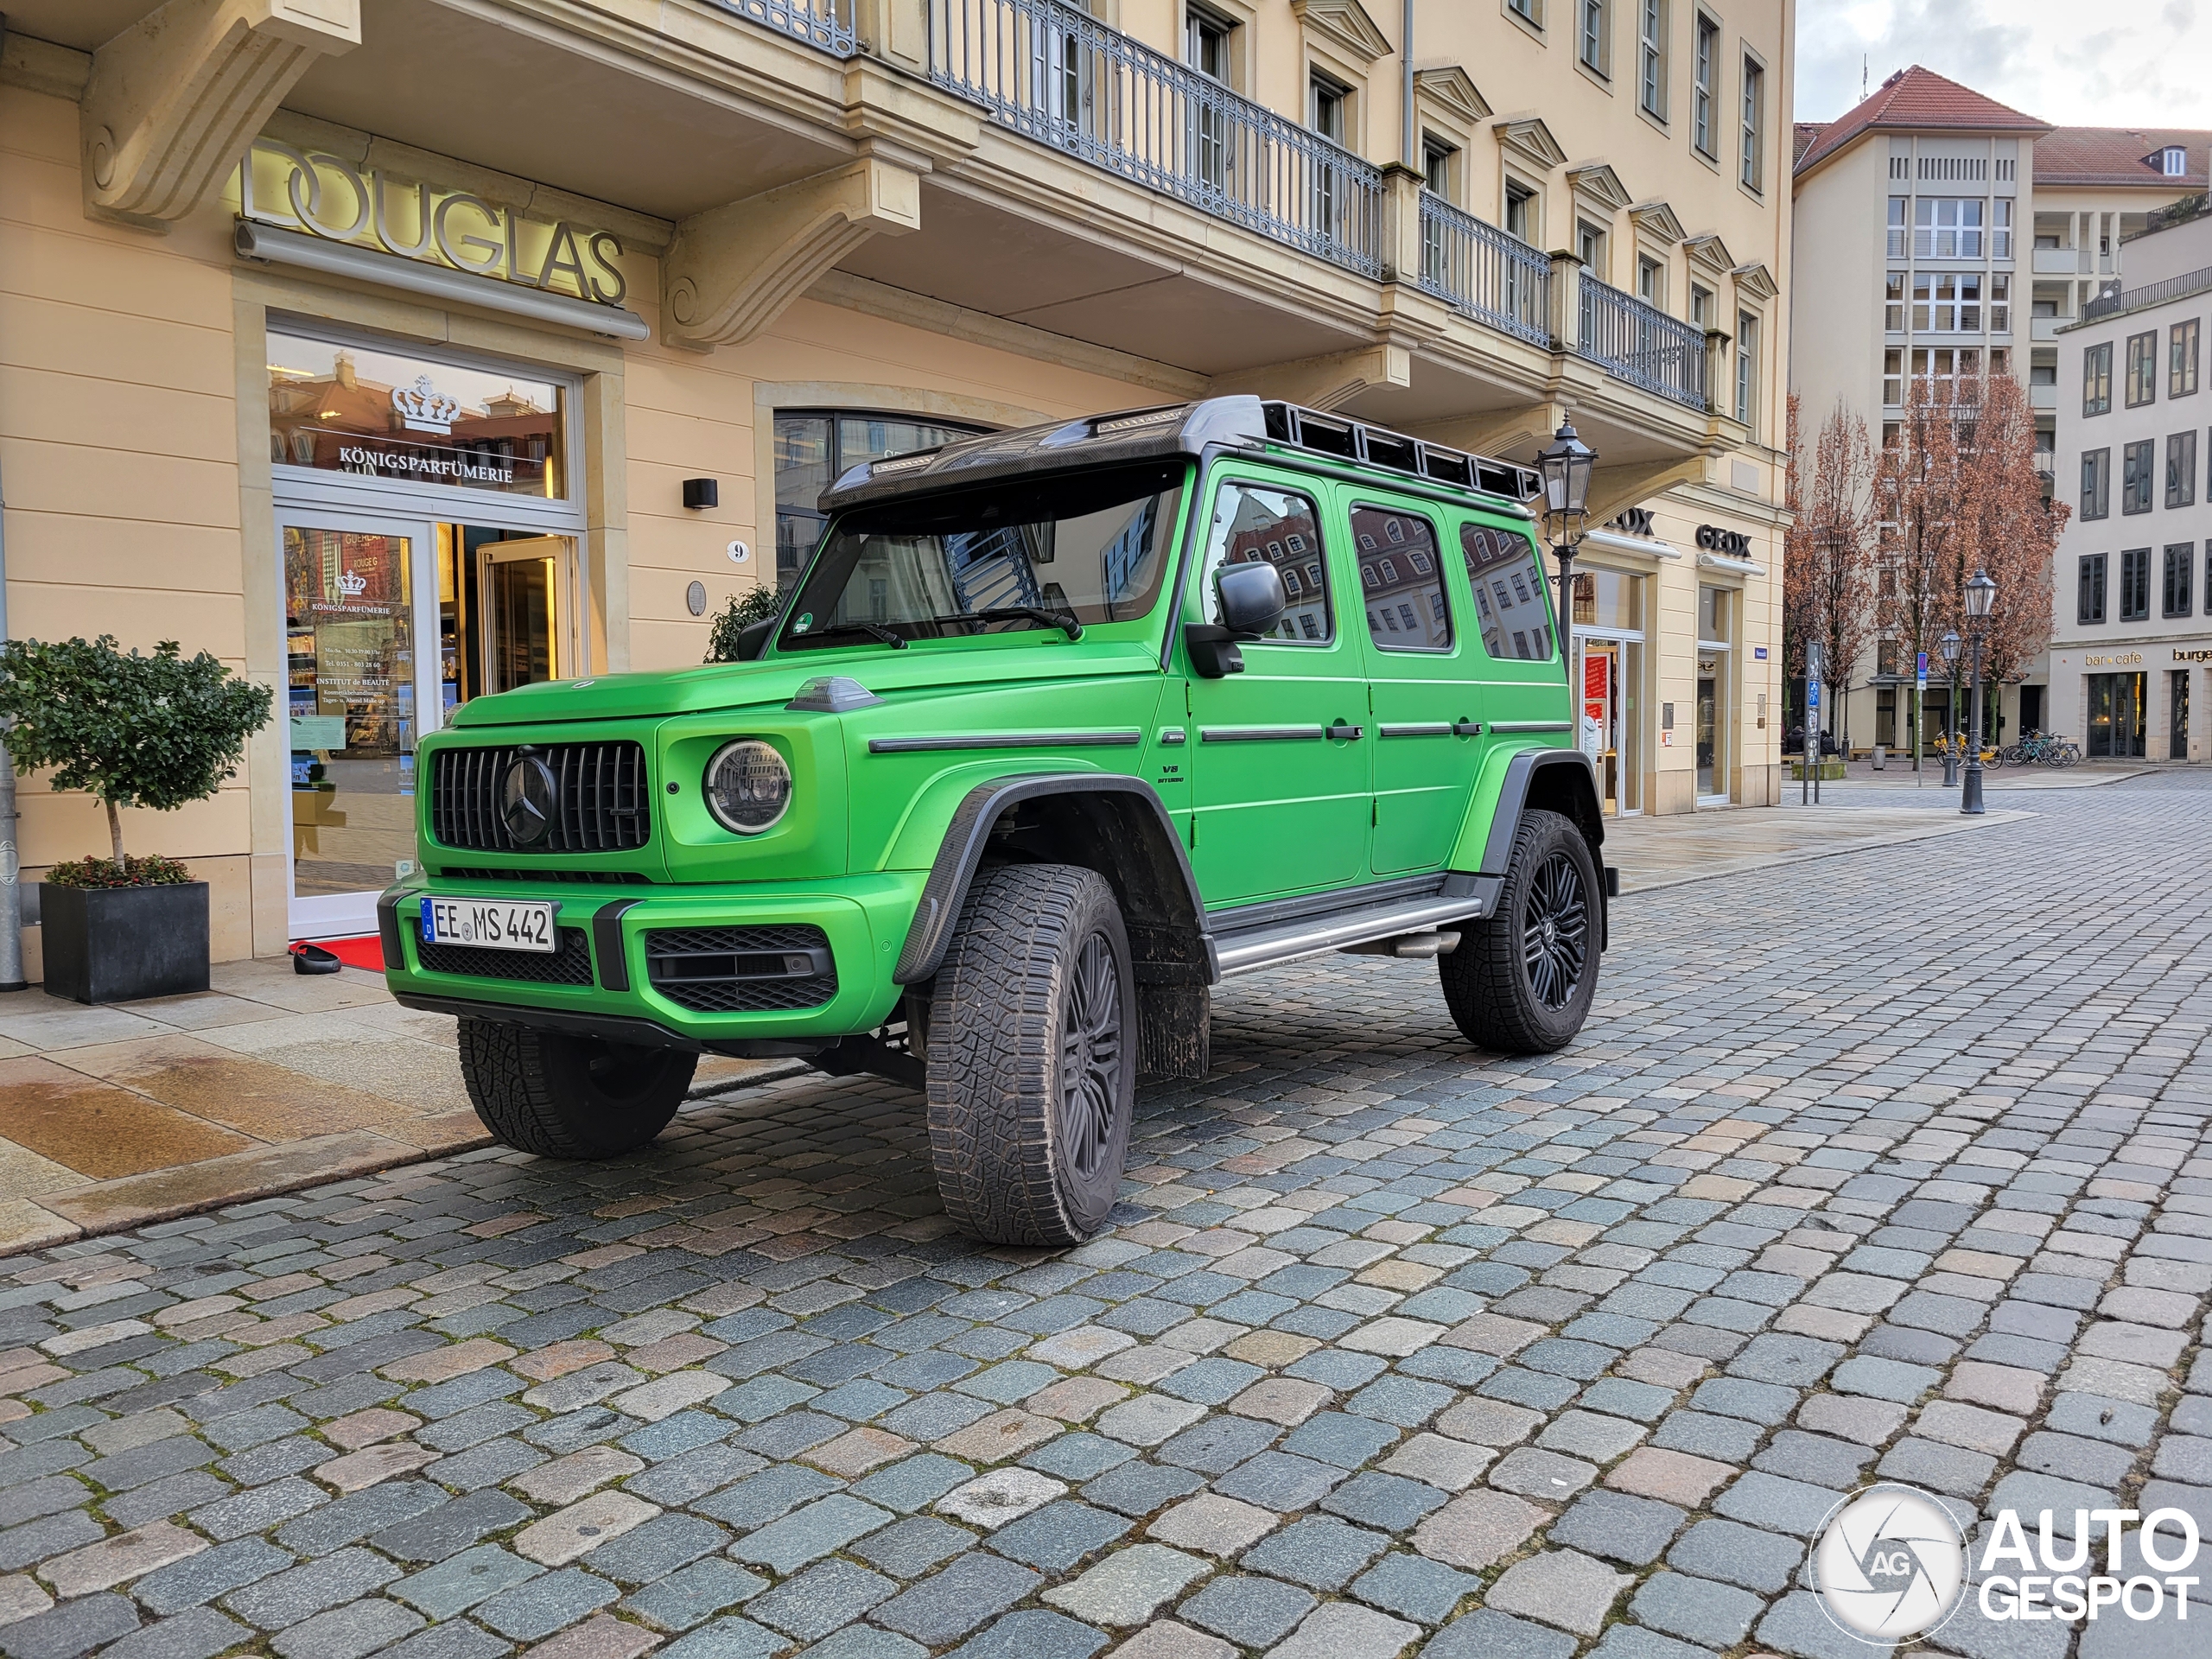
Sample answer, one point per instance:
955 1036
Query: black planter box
117 945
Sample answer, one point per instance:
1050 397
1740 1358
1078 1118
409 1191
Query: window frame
1704 81
2179 567
2096 500
1651 59
1747 366
2096 379
2139 464
1593 37
2091 578
2184 343
2181 468
1751 120
1325 93
2142 369
2135 584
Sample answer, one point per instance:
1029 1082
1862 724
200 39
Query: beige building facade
1944 237
399 351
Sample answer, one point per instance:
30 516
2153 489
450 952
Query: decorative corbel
174 99
1323 382
733 270
1613 490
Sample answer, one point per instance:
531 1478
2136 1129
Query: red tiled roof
1801 135
2116 156
1919 100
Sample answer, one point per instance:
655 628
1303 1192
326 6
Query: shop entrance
1609 637
430 542
1716 630
2177 724
2115 716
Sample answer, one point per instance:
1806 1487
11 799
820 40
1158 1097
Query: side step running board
1314 936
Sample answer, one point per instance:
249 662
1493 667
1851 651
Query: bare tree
1831 546
2012 531
1917 490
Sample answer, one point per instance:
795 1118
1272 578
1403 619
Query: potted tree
131 730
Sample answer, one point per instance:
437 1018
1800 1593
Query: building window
2089 592
2142 368
1947 227
2135 584
1327 103
1651 282
1590 245
1953 374
2096 379
1528 10
2181 358
1893 303
1590 38
2096 483
1708 74
2000 232
1754 131
2000 307
2173 162
2181 469
2135 462
1893 378
1897 237
813 447
1651 57
1521 219
2173 591
1436 167
1947 302
1700 305
1747 360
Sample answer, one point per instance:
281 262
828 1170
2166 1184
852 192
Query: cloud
2029 53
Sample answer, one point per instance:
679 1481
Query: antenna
1862 77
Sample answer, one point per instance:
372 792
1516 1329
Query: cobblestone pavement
1396 1345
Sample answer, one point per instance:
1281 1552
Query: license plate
490 923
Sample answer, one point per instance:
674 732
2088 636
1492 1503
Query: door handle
1342 730
1466 728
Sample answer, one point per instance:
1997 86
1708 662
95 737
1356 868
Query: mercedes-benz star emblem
528 798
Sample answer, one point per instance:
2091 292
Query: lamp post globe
1566 464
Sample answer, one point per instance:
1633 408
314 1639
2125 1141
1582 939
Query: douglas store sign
335 201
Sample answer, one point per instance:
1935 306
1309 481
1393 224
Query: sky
2112 63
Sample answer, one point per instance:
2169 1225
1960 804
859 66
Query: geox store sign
333 200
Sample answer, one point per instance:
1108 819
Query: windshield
1063 552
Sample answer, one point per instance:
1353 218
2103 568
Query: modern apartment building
2134 582
400 351
1942 236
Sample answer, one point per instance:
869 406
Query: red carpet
357 953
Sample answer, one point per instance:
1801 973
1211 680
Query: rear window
1509 582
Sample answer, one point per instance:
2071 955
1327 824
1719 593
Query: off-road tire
1500 997
1032 1059
569 1096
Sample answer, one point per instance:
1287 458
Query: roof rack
1341 435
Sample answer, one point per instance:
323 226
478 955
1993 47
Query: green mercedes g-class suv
1056 729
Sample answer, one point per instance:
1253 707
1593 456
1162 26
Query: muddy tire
1522 981
569 1096
1031 1057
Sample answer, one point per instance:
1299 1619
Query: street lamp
1950 645
1982 596
1567 465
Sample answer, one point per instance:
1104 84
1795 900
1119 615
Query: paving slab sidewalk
115 1117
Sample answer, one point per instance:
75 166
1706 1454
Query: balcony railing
1047 70
2115 300
1481 270
825 24
1641 344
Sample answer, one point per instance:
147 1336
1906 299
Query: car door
1424 682
1282 794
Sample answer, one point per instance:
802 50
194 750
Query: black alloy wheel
1555 931
1091 1039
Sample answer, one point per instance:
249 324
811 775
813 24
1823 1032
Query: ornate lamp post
1950 643
1981 596
1567 465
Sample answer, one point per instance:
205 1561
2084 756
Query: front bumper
617 973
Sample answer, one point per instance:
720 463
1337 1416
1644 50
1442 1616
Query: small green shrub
151 871
757 605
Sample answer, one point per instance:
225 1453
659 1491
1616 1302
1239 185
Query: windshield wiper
1062 619
874 630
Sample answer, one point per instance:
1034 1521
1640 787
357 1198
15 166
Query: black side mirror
1252 600
752 640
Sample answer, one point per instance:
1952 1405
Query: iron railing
1490 275
1641 344
2115 300
826 23
1048 71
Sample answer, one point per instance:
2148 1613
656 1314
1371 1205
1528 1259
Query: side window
1509 584
1253 523
1403 590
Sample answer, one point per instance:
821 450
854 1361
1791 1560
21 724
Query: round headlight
748 786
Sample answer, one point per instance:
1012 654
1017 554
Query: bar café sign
339 201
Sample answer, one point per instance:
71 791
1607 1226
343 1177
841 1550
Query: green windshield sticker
805 621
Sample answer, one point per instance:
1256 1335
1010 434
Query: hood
932 666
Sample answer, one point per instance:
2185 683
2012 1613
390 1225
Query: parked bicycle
2043 749
1993 758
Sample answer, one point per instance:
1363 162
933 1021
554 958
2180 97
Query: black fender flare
1175 907
1548 773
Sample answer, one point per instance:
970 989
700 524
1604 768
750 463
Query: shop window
1608 599
1509 585
813 447
1422 624
407 419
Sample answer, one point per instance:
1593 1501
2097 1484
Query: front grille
569 965
602 803
617 878
742 969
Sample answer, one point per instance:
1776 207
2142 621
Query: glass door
526 602
358 692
